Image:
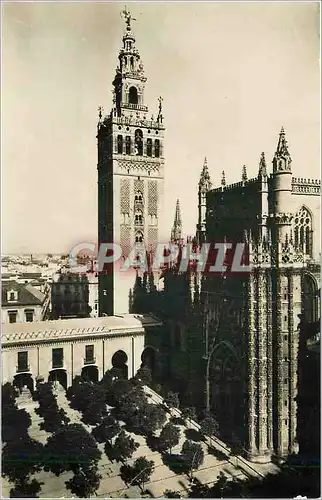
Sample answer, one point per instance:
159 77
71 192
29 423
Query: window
133 95
285 381
12 316
95 307
139 238
58 357
29 316
157 148
139 219
285 421
132 62
149 147
128 145
120 144
89 354
12 296
22 361
285 403
303 234
138 196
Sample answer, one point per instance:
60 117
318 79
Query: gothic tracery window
303 234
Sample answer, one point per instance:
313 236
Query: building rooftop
42 330
27 295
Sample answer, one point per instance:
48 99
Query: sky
230 74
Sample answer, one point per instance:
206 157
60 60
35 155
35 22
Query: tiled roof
27 295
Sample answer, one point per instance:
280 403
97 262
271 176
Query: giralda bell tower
130 173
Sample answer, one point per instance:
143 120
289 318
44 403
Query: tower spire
262 166
282 158
177 225
244 174
203 187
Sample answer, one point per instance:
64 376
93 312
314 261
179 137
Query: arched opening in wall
157 148
119 361
310 299
138 196
58 378
133 95
128 145
303 232
138 142
132 62
227 393
148 359
90 373
120 144
149 147
24 380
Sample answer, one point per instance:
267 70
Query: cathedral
230 341
244 350
130 173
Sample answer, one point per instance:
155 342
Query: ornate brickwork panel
125 239
152 237
153 198
139 187
125 196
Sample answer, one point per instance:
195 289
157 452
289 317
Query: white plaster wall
21 316
74 354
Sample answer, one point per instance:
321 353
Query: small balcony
90 361
137 107
23 368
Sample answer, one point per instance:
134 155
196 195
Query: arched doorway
58 376
24 380
148 359
310 299
119 361
90 373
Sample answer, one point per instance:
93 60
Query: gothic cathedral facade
130 174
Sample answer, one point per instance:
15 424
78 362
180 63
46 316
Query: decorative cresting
303 233
306 186
125 196
153 198
283 218
139 165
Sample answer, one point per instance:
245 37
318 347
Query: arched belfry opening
133 95
119 361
